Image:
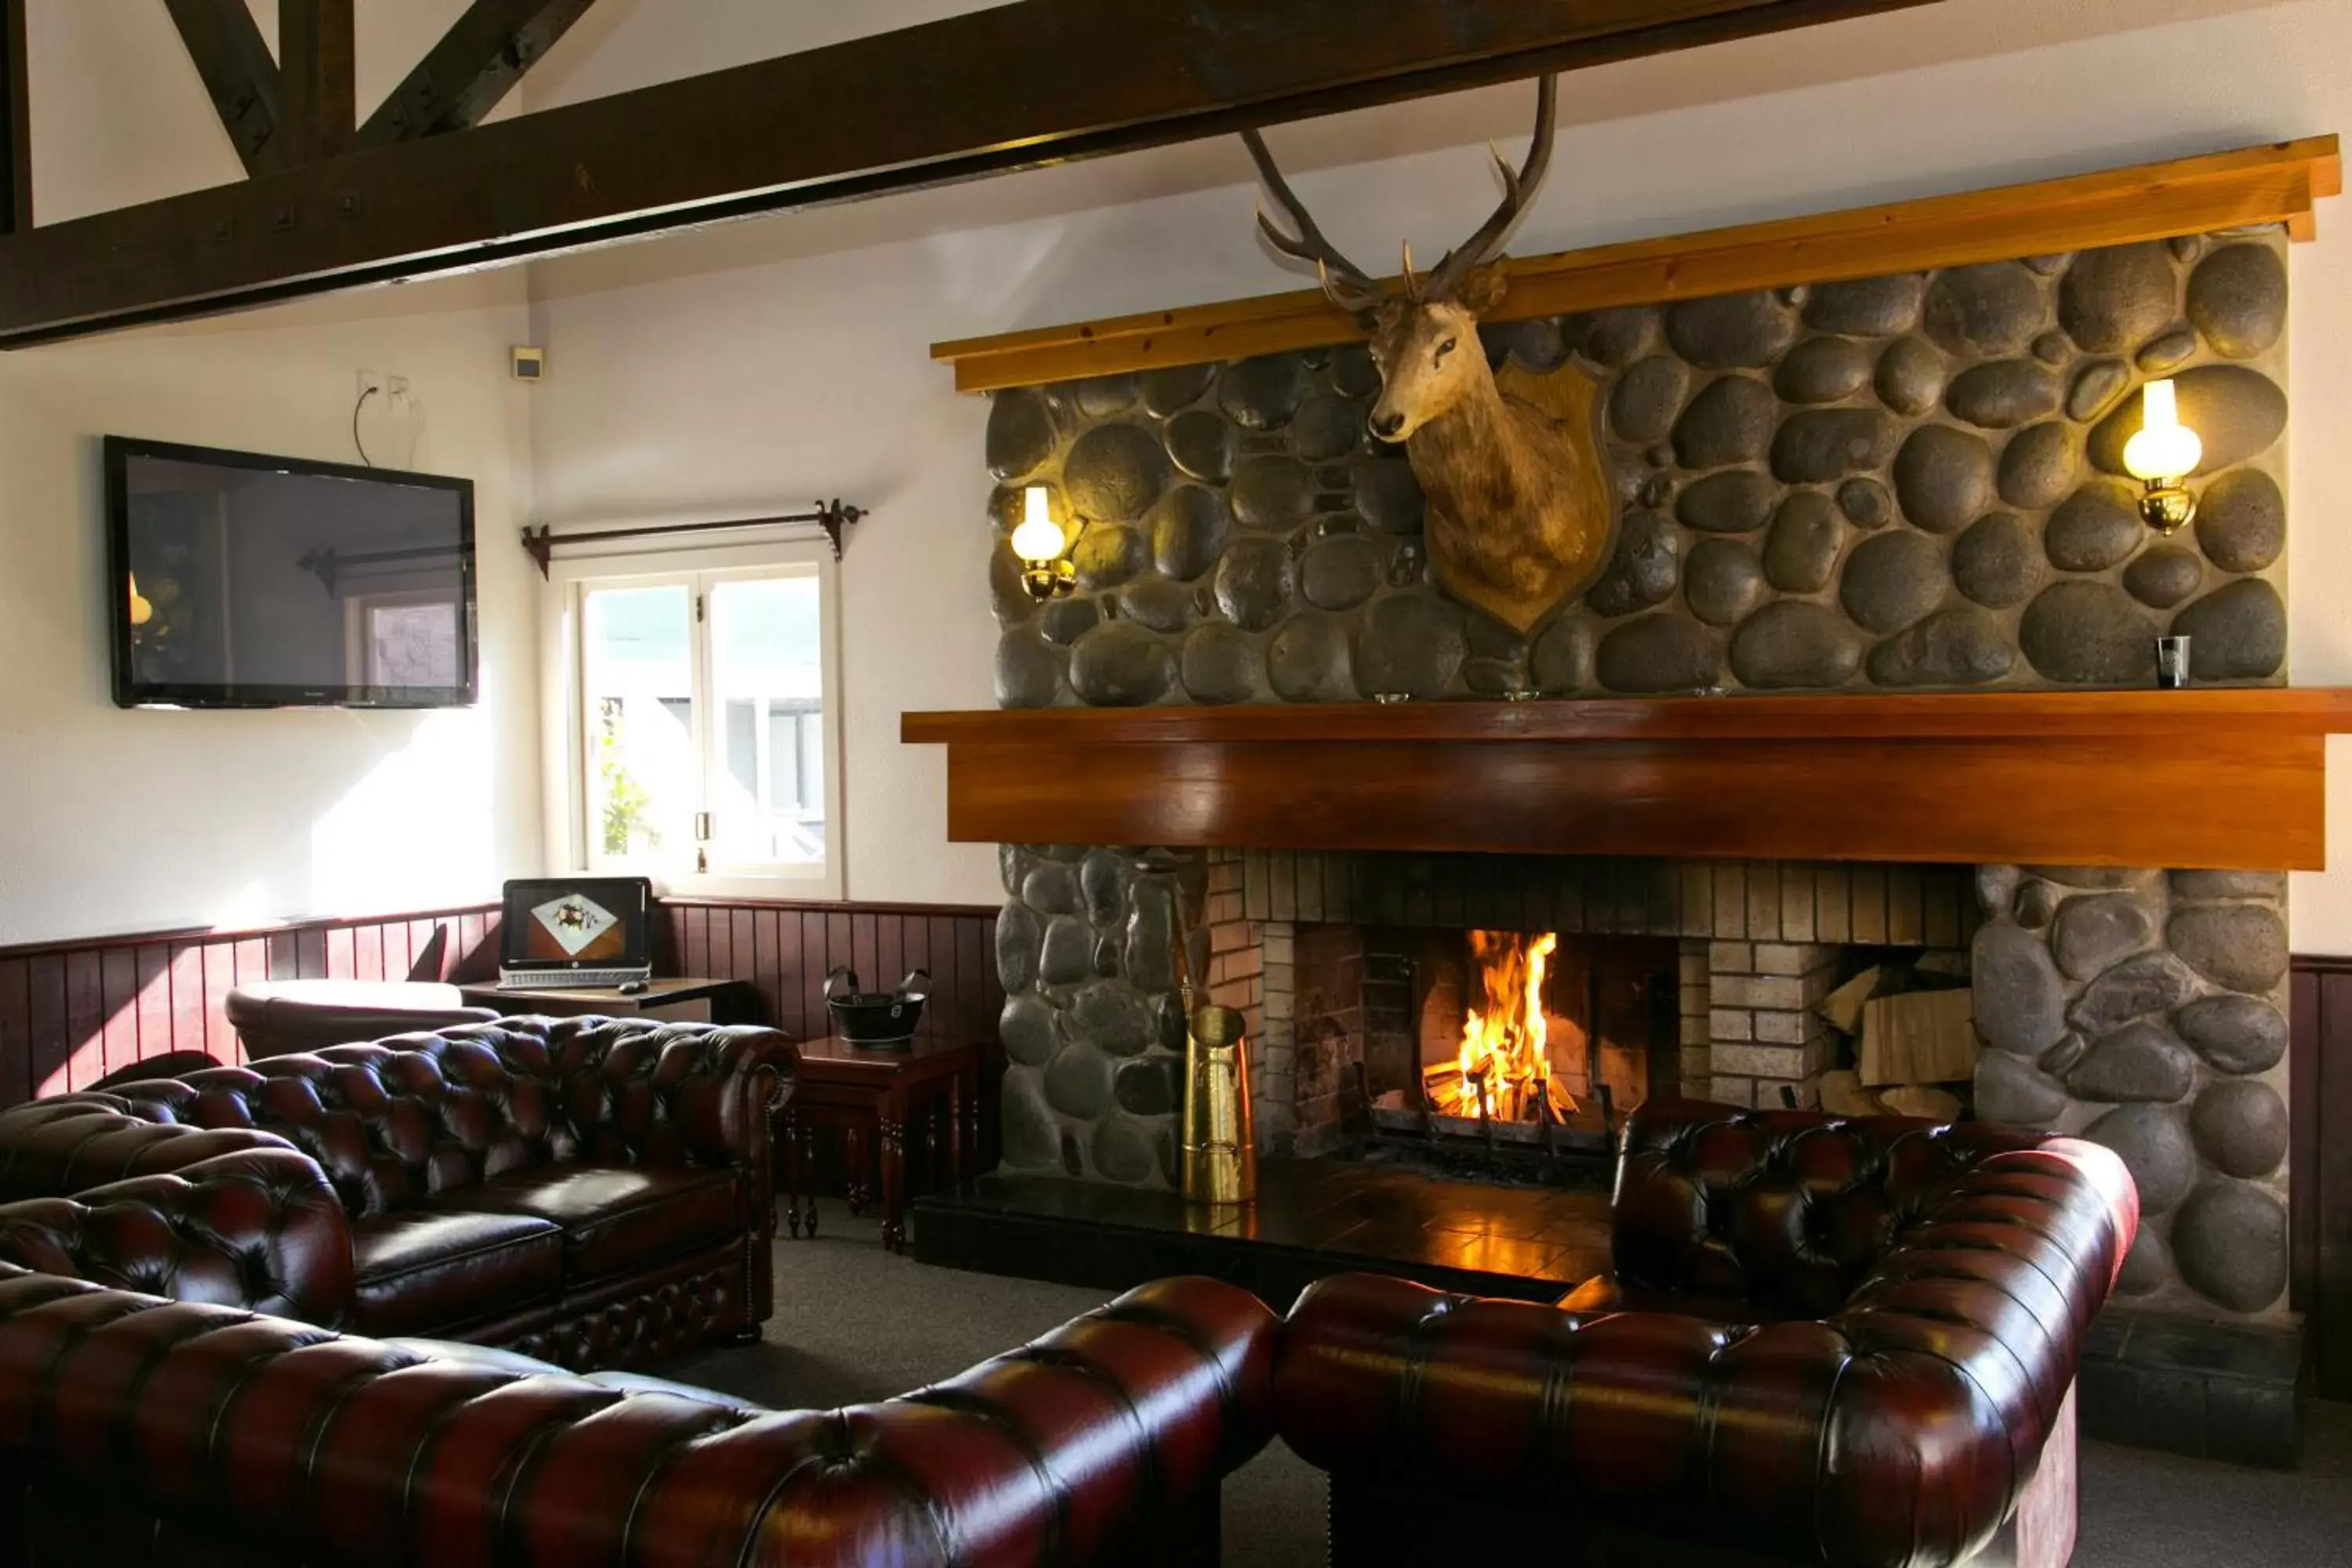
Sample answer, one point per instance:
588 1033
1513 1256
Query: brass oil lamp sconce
2162 456
1039 542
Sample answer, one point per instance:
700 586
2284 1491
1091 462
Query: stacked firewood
1909 1032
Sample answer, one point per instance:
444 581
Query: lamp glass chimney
2165 449
1038 538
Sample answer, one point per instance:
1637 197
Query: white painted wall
781 358
114 821
772 362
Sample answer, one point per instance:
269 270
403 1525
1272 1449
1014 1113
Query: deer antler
1519 187
1347 285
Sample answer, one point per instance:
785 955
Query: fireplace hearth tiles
1313 1218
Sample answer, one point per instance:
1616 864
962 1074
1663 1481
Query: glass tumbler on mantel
1219 1145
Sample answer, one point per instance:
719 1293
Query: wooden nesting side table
927 1088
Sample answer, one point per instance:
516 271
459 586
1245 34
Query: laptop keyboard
571 980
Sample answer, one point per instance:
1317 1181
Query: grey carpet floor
853 1323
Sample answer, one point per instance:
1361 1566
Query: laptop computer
575 931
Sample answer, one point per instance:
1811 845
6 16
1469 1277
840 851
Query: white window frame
562 683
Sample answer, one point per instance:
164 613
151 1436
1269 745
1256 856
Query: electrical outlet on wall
386 421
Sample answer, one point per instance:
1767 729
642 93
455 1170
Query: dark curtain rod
833 516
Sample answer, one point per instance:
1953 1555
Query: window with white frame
701 718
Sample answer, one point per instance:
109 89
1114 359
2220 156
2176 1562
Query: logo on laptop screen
580 927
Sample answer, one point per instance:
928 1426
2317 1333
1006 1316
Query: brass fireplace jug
1220 1137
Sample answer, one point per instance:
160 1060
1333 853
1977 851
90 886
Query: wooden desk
675 1001
837 1085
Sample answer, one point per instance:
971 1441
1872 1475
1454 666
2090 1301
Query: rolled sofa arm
69 1143
260 1230
1101 1443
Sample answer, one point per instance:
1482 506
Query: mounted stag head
1518 520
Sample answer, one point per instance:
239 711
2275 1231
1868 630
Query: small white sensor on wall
531 365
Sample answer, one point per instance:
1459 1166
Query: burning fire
1503 1070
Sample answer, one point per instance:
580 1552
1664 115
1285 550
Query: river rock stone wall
2147 1011
1093 1034
1894 483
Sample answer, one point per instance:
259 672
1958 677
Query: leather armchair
280 1017
175 1432
597 1191
1846 1342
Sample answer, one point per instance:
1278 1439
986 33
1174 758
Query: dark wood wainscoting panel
786 950
2319 1169
72 1012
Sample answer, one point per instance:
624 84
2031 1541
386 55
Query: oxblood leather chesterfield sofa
139 1431
1825 1342
592 1191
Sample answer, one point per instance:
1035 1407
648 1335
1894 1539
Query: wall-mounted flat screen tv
243 581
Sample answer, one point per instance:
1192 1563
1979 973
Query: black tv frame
130 692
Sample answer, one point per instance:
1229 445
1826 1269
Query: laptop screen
577 922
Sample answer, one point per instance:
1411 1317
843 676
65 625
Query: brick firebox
1760 943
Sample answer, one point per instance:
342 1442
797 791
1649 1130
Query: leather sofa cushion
425 1269
616 1219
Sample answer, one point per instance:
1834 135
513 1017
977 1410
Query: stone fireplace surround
1240 541
2141 1008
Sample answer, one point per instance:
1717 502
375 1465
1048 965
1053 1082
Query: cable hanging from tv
834 516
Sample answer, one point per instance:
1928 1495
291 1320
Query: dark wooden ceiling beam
317 67
239 72
15 122
475 64
1009 87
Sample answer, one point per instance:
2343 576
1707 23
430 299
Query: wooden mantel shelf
2280 182
2227 779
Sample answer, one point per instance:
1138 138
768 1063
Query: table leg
894 1170
807 1147
791 1172
854 1168
973 1096
955 1130
939 1141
